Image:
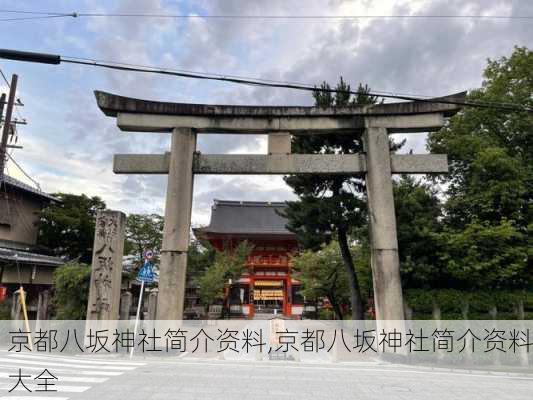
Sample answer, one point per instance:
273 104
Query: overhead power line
57 59
29 12
32 18
5 79
23 171
287 85
255 17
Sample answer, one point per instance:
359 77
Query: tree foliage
143 232
200 257
67 227
323 275
418 213
327 202
71 290
228 264
330 205
489 207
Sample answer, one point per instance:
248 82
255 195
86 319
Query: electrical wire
281 84
5 79
30 12
319 18
285 85
23 171
380 93
17 207
32 18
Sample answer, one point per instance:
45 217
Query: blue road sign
146 273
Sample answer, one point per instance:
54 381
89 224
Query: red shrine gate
267 286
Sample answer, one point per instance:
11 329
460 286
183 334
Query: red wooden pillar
288 296
251 297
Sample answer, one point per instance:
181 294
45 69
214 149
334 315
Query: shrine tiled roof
247 217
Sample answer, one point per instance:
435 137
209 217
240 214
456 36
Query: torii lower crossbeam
279 164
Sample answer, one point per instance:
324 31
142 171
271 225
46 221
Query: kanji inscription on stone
104 296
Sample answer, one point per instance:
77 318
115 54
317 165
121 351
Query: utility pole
2 102
2 147
7 123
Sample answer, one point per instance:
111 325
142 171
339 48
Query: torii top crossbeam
139 115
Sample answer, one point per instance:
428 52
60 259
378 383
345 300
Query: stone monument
106 274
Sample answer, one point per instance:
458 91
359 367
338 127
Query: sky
69 144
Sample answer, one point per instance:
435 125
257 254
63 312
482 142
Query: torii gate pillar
173 264
384 259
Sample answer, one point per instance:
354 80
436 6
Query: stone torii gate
185 121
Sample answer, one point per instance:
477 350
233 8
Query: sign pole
137 318
145 275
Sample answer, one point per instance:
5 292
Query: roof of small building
27 257
9 181
247 217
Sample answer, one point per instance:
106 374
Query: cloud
69 143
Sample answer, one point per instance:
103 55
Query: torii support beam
280 164
374 122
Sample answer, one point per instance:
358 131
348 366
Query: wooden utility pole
7 122
2 102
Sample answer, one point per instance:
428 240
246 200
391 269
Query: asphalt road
102 379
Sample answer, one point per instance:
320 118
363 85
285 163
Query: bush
71 283
5 310
451 302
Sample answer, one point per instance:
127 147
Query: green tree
418 214
228 264
323 275
67 227
488 212
200 257
329 206
71 290
143 232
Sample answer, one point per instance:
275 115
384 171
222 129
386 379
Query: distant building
20 260
267 287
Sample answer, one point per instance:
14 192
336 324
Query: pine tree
331 206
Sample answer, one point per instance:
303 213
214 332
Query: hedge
451 303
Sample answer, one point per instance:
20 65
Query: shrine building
267 287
